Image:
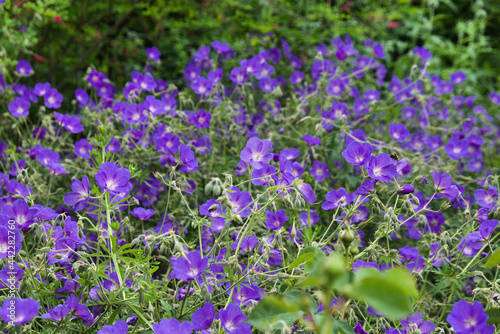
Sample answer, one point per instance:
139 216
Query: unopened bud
347 237
208 189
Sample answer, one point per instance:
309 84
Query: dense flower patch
271 194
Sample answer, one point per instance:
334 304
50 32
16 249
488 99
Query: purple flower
41 88
119 327
80 194
311 140
261 177
211 208
435 220
319 171
201 86
335 87
113 178
24 68
381 167
366 187
6 241
172 326
399 132
81 96
276 220
487 198
357 153
19 311
71 123
232 320
306 191
296 77
466 318
257 152
169 143
406 189
415 321
20 213
422 52
495 98
63 251
458 77
53 99
83 148
378 51
239 202
308 218
200 119
238 76
19 107
143 214
153 54
190 267
443 185
337 198
457 148
203 317
146 82
189 162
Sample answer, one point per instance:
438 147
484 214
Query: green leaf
494 316
272 311
301 259
344 327
325 324
493 260
389 293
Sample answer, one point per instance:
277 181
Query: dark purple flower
83 148
311 140
113 178
200 119
434 222
381 167
308 218
63 251
201 86
20 213
189 162
232 320
378 51
211 208
399 132
17 311
443 185
153 54
239 202
119 327
53 99
262 176
238 76
173 326
41 88
487 198
203 317
276 220
19 107
319 171
336 87
24 68
80 194
257 152
458 77
71 123
190 267
143 214
495 98
81 96
356 153
422 52
466 318
306 191
457 148
406 189
366 187
415 321
337 198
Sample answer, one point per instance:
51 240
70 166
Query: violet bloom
153 54
335 87
261 177
211 208
200 119
415 321
80 195
19 311
357 153
475 241
70 123
276 220
306 191
311 140
308 218
172 326
83 148
434 222
19 107
381 167
398 132
189 162
337 198
457 148
53 99
443 185
366 187
487 198
232 320
466 318
20 213
143 214
6 242
81 96
119 327
63 251
113 178
189 268
319 171
24 68
201 86
406 189
239 202
203 317
257 152
238 76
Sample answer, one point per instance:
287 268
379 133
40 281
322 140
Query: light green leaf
493 260
273 312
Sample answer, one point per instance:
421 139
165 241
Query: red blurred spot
393 24
57 19
346 6
39 58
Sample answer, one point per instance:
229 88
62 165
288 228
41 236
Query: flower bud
354 250
347 237
216 190
208 189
